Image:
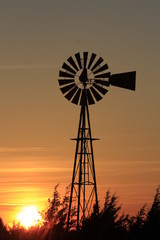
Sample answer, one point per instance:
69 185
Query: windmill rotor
84 71
92 73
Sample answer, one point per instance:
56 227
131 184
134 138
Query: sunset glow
29 217
37 121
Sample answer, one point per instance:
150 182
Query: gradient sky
36 121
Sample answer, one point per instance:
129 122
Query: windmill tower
84 79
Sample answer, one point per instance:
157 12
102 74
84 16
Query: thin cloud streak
129 135
27 66
28 149
20 170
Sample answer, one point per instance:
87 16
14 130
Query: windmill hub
83 77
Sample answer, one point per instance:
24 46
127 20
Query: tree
4 234
108 224
136 224
50 215
153 217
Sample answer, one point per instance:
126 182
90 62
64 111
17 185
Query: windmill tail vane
84 80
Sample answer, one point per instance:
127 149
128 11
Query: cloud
28 149
35 170
130 135
27 66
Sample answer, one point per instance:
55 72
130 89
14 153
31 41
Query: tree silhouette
50 215
137 223
110 223
153 217
106 224
4 234
56 216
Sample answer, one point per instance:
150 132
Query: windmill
84 80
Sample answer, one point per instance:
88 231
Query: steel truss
83 188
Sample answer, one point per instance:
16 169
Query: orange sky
37 122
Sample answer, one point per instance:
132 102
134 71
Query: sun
29 216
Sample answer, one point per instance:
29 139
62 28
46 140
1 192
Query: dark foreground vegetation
110 224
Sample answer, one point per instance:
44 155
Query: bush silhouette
110 223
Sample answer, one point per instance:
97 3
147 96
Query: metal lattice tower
84 187
83 81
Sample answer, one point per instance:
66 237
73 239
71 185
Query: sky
37 122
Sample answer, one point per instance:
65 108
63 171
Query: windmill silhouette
84 80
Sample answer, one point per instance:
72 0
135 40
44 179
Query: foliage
51 215
153 217
110 223
4 234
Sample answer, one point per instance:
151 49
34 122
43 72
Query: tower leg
74 170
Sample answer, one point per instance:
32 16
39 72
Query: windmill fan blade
65 81
89 97
99 61
71 61
102 82
65 74
103 75
100 89
76 97
104 67
68 68
124 80
85 55
77 55
91 60
95 94
70 94
67 88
